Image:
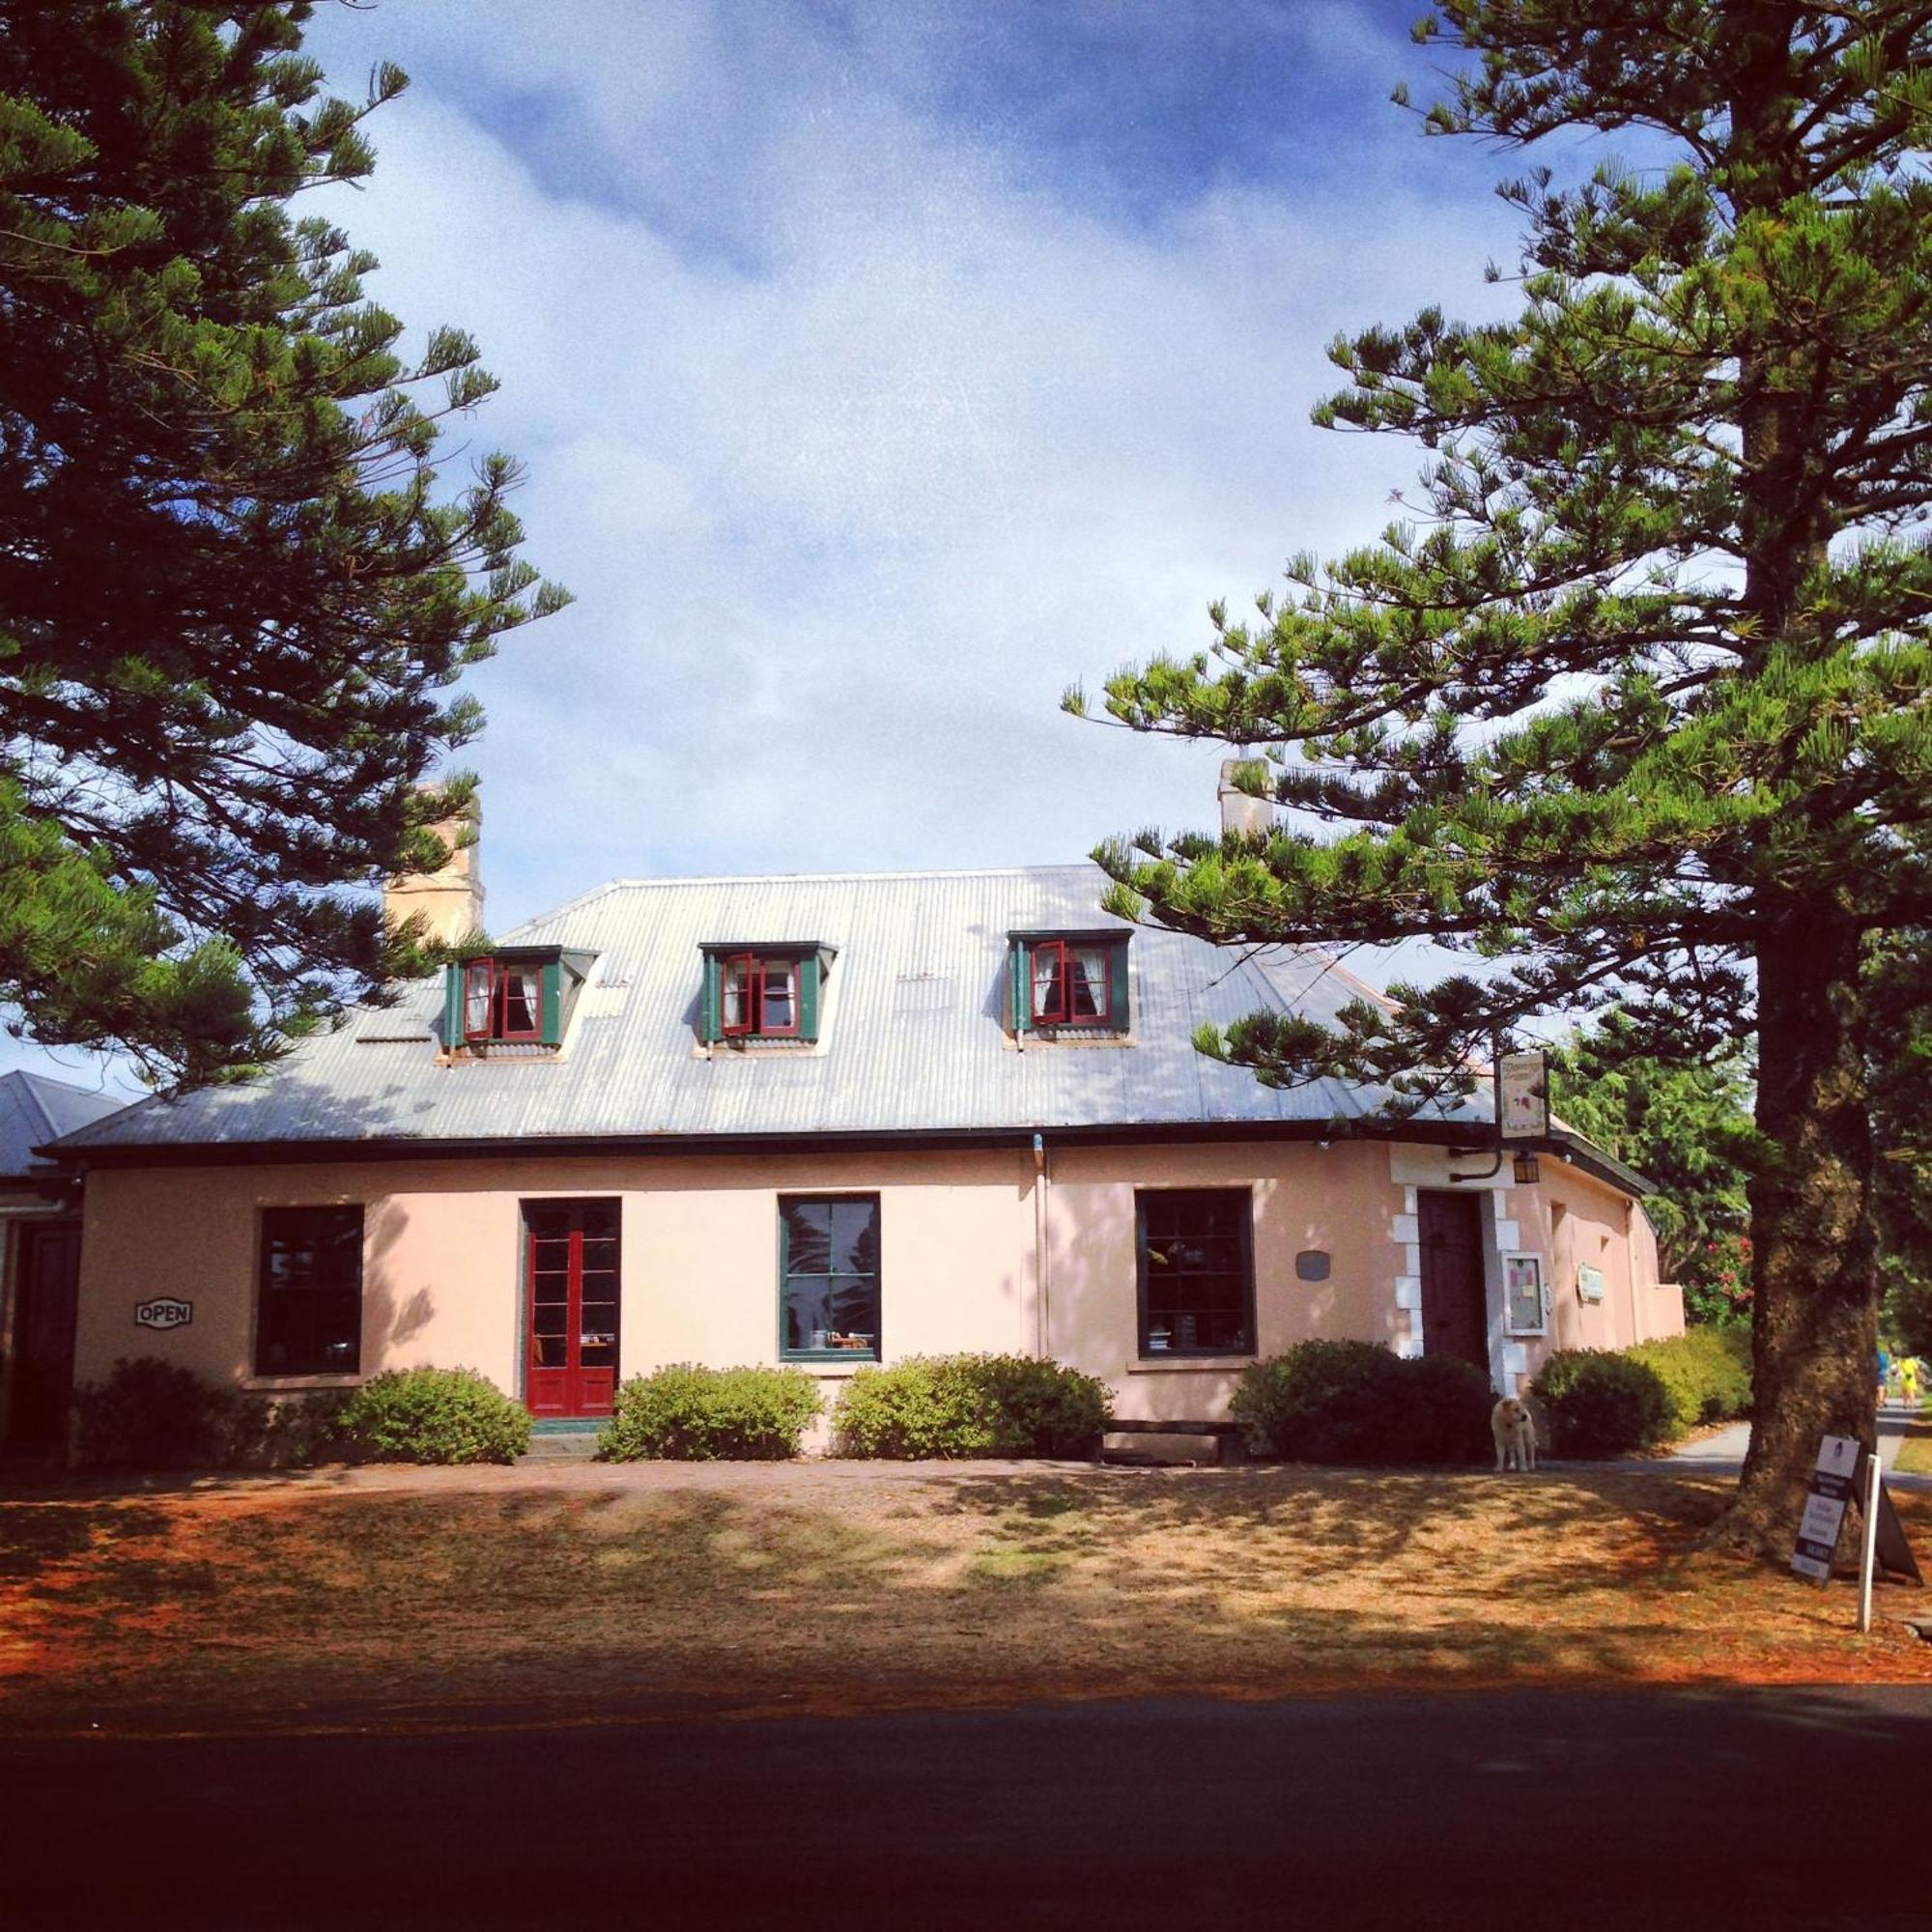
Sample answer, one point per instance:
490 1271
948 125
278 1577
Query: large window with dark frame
829 1277
308 1315
1197 1275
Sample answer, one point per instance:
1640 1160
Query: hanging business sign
163 1312
1522 1096
1823 1516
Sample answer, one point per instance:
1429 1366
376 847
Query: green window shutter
710 1024
551 1015
1017 986
452 1007
808 997
1116 983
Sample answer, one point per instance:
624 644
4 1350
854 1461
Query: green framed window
829 1300
1196 1266
518 997
762 992
308 1292
1069 982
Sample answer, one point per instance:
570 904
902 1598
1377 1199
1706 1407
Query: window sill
273 1384
1525 1334
1170 1362
831 1358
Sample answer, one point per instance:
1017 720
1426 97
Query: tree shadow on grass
35 1537
906 1587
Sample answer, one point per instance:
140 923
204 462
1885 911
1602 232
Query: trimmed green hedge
432 1415
1705 1371
1600 1403
972 1405
1355 1402
687 1413
150 1414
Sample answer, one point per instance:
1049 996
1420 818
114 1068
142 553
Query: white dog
1515 1431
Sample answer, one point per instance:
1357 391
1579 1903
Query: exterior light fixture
1526 1174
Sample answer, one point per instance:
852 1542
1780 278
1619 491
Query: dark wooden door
48 1258
571 1307
1455 1309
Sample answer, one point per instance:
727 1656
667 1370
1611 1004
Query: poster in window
1522 1290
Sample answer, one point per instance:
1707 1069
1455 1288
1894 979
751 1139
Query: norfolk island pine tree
233 598
1638 711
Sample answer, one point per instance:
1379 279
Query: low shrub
1321 1402
432 1416
972 1405
686 1413
151 1414
1704 1371
1355 1402
1443 1411
287 1432
1603 1403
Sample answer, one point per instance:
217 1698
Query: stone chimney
451 900
1241 811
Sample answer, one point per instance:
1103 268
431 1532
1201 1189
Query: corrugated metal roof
911 1036
34 1109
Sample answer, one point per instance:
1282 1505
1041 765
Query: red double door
572 1296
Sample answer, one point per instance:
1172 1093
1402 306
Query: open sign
163 1312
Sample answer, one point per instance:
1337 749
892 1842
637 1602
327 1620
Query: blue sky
880 370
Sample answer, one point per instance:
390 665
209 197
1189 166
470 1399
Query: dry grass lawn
385 1596
1914 1453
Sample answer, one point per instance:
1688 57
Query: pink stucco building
831 1120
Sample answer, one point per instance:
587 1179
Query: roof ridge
610 886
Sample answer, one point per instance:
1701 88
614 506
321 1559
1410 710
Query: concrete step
1166 1448
579 1445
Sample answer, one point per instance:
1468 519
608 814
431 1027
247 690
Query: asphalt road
1758 1808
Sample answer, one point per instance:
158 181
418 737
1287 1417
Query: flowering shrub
1718 1282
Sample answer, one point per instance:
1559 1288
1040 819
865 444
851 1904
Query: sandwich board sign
1823 1516
1832 1484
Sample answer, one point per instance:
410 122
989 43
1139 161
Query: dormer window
1068 981
1070 985
754 993
501 1000
516 999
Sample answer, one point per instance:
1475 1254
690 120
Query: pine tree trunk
1814 1271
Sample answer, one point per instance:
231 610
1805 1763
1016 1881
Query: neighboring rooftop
35 1110
913 1038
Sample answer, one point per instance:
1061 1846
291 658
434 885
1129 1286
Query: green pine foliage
234 600
1686 1125
1633 701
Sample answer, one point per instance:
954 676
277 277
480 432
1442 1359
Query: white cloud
857 430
